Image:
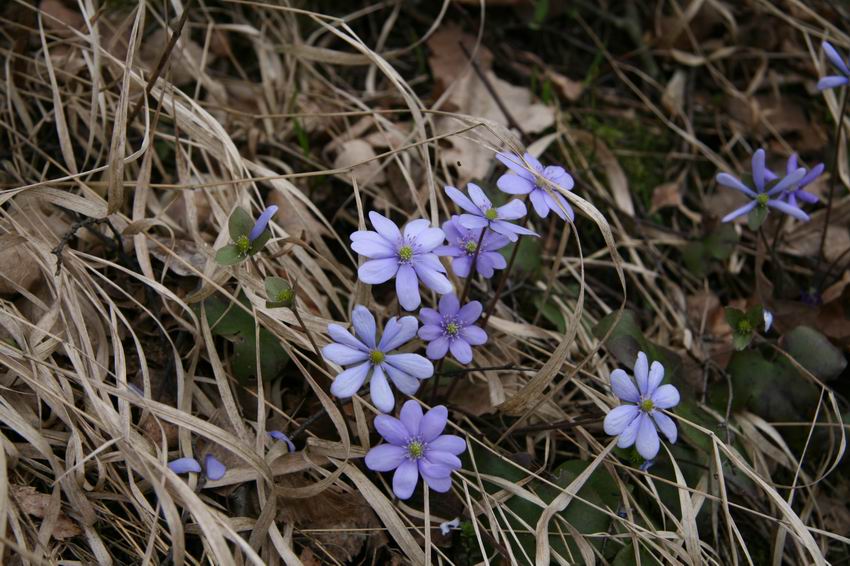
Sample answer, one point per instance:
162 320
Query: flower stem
839 128
473 270
492 306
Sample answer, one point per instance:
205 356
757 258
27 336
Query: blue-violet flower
636 423
262 223
463 244
416 445
452 328
480 213
838 62
521 181
375 358
408 257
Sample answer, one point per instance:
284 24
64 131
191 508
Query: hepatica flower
636 421
840 65
248 237
463 245
763 198
796 192
407 256
416 446
521 181
480 213
369 357
213 467
452 328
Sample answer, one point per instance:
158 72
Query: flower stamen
491 214
243 244
470 247
452 328
376 356
415 449
405 253
647 405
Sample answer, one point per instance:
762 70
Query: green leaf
756 217
279 293
755 316
740 340
238 326
228 255
627 339
260 242
721 242
240 223
815 352
734 316
551 312
529 258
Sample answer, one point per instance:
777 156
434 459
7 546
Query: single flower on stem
636 422
416 446
248 236
369 357
463 245
480 213
796 192
407 256
762 199
452 328
521 181
838 62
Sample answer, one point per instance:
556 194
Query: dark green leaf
756 217
240 223
721 242
815 352
741 340
228 255
733 316
551 312
260 242
279 292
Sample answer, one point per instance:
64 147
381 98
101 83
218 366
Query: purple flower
214 467
184 465
521 181
452 328
797 192
415 446
262 223
762 198
374 358
277 435
482 214
463 244
636 424
408 257
833 81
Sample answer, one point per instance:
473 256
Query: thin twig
833 174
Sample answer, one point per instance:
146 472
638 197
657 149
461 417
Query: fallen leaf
617 180
36 504
357 151
674 93
17 266
664 196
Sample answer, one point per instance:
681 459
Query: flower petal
343 336
473 222
215 469
628 436
513 162
430 332
415 227
665 397
278 435
380 392
787 182
461 266
440 485
462 200
430 316
405 478
433 423
448 443
478 197
437 348
538 201
262 223
343 355
623 387
559 205
446 459
461 350
414 364
758 170
647 442
666 425
404 382
512 231
559 176
832 81
834 57
433 469
364 325
641 371
350 381
470 312
385 457
512 210
449 305
728 180
484 264
407 288
385 227
789 209
184 465
514 184
619 418
411 415
405 329
392 429
474 335
740 211
429 239
432 279
656 376
377 271
372 245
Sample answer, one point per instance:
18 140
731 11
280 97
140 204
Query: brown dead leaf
664 196
448 61
357 151
806 242
17 268
527 64
36 504
673 98
59 16
617 180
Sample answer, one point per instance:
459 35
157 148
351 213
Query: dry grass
256 110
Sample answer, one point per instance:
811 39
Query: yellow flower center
243 244
744 326
647 405
376 356
452 329
491 214
286 296
762 199
470 247
405 253
415 449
